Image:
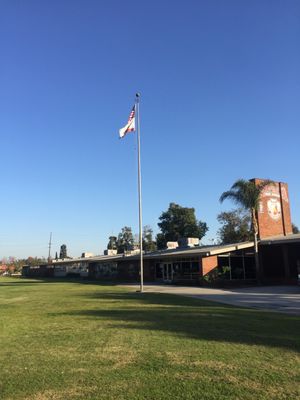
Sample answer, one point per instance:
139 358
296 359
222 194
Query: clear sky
220 96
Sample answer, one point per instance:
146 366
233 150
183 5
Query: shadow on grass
195 319
38 280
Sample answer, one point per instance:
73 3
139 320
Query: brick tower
274 216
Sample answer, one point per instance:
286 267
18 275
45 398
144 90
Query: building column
286 265
261 264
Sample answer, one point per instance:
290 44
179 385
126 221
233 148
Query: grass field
75 340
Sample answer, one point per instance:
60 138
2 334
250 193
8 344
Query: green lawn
76 340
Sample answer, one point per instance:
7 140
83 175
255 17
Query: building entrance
167 269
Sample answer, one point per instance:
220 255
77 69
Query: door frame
168 272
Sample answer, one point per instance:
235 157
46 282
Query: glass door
167 272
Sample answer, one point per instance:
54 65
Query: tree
34 261
160 241
236 226
247 194
148 242
178 222
125 240
63 251
295 228
112 244
16 264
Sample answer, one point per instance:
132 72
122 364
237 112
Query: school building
189 263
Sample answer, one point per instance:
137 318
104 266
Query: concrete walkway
284 299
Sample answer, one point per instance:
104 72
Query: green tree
295 228
236 226
178 222
34 261
125 240
112 244
63 251
17 264
148 242
246 194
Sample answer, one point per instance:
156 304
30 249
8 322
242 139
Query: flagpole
137 105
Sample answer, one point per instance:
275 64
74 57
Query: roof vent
172 245
188 242
110 252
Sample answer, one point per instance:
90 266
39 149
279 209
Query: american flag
130 126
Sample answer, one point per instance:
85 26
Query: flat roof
200 251
87 259
292 238
178 252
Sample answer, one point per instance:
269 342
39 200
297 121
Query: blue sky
220 95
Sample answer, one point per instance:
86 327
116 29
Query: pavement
285 299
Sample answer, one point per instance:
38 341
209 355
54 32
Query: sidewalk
284 299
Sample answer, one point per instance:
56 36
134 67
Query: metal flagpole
137 106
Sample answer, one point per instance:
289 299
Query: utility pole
50 242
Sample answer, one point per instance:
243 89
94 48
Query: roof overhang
88 259
202 251
293 238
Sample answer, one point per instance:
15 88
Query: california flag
130 126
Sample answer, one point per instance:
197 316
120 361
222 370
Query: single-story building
280 258
279 254
179 265
279 263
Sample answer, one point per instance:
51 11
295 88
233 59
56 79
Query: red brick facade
274 217
208 264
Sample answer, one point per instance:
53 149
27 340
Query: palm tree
247 195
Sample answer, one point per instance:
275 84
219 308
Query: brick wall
286 211
208 264
274 217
